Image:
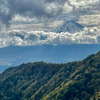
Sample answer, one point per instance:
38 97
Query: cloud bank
23 38
43 9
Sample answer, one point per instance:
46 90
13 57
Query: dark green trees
46 81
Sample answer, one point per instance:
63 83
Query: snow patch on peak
69 26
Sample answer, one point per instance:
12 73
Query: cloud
29 8
42 9
23 38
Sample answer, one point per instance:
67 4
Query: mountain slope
69 26
46 81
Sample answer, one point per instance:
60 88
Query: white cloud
22 38
43 9
93 20
83 2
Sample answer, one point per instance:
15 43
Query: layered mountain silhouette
46 53
79 80
69 26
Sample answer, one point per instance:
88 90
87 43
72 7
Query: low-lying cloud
23 38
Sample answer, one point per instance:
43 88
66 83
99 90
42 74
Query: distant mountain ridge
69 26
46 53
46 81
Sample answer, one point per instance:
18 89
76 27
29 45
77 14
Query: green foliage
47 81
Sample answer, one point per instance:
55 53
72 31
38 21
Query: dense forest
79 80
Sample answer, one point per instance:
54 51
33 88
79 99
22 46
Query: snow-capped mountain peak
69 26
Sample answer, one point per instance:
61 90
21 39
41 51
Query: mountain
69 26
79 80
16 55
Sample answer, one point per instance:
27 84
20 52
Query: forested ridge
79 80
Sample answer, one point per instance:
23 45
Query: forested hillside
79 80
